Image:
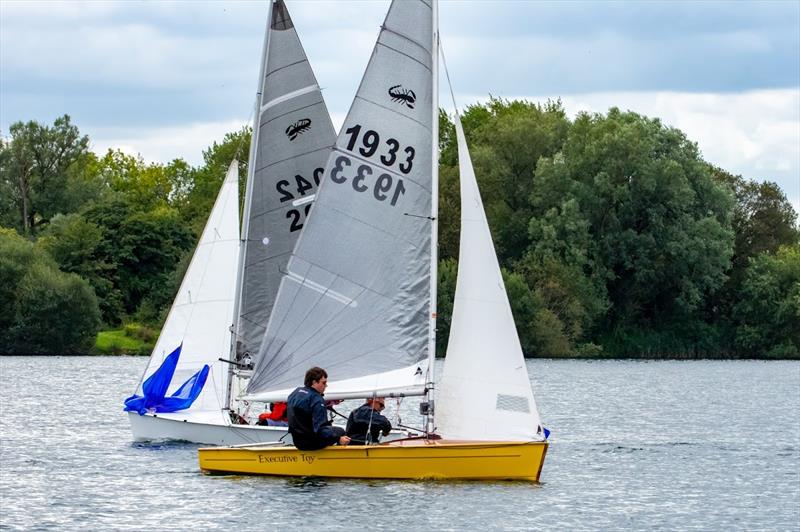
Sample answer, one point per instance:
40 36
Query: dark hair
314 374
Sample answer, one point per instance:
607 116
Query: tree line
615 237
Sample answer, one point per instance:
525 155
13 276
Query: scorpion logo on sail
403 96
298 128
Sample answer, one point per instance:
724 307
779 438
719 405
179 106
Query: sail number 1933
383 187
390 153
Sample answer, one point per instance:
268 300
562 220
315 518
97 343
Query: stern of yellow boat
404 459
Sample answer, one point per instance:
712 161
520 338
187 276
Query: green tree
763 220
139 251
506 139
35 165
148 185
42 310
9 215
208 178
768 312
72 242
652 226
524 306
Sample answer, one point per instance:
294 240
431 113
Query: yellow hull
405 459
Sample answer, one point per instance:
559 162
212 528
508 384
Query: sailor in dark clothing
308 418
368 418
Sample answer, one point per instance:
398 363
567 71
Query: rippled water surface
635 445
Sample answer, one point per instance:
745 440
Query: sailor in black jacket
367 418
308 418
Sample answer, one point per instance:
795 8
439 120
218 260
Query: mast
247 204
430 385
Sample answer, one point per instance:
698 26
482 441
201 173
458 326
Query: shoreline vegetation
131 339
616 238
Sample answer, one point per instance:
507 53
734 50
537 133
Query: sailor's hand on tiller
344 440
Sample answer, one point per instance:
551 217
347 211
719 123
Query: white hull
158 427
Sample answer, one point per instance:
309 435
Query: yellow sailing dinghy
359 294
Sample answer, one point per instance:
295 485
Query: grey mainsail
292 138
356 297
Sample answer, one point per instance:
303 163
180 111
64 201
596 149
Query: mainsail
356 296
484 391
292 138
200 315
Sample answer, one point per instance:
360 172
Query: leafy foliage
42 310
208 179
35 167
768 313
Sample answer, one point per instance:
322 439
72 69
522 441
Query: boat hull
157 428
161 427
404 459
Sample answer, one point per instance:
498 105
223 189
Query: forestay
292 139
356 297
484 391
201 313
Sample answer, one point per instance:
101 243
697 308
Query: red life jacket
278 412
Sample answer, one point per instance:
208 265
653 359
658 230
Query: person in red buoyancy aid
276 418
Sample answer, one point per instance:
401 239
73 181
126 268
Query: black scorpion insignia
298 128
403 96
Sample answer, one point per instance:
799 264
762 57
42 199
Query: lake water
701 445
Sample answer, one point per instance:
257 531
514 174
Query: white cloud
164 144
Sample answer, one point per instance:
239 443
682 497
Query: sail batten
404 382
289 96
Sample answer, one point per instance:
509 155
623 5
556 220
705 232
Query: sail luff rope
234 333
449 83
241 140
430 384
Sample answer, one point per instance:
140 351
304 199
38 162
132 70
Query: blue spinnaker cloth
155 388
186 394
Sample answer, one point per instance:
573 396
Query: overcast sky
165 79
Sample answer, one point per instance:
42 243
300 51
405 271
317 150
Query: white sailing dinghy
361 302
232 282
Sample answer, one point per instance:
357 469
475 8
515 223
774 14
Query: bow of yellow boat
404 459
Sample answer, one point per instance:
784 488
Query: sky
165 79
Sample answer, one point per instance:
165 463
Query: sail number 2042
286 191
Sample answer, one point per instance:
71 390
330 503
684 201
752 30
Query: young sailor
367 418
308 418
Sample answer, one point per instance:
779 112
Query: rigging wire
244 128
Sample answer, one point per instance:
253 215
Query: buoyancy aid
278 412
